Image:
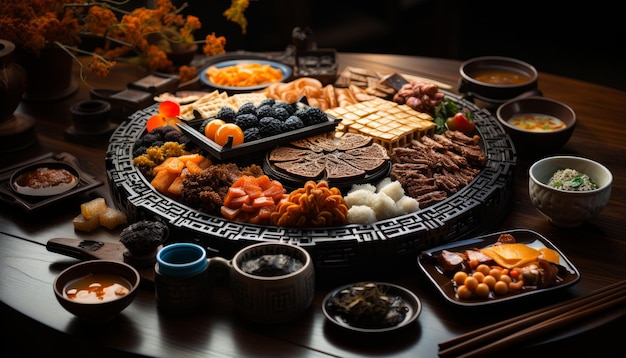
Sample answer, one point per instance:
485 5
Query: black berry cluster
270 117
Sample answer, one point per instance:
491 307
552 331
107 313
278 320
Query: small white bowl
566 208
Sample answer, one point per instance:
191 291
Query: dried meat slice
325 141
281 154
367 164
350 141
339 169
309 168
306 144
374 150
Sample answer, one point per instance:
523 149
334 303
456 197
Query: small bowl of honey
96 290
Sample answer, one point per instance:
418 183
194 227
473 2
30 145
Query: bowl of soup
96 290
496 79
537 125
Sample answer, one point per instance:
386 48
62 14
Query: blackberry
316 115
152 136
267 101
281 113
285 105
148 139
269 126
251 134
293 123
184 139
139 150
172 136
246 120
160 131
203 125
247 107
265 111
227 114
304 116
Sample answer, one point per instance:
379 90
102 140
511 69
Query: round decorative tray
388 243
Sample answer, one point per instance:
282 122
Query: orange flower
147 34
214 45
187 73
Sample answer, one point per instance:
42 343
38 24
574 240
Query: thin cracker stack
371 82
388 123
209 105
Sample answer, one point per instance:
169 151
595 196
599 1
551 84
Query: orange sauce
536 122
97 288
501 77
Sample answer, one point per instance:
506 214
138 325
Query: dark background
580 41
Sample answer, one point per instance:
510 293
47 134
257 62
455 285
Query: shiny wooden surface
27 269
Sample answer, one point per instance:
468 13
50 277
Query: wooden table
32 315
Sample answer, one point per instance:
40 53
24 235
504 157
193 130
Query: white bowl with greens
569 190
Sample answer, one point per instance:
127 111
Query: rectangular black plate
28 203
191 128
443 282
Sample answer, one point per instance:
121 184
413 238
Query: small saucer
406 298
71 133
33 203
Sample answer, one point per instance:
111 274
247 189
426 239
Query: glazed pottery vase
49 74
17 131
182 54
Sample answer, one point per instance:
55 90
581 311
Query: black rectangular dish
443 282
33 203
191 128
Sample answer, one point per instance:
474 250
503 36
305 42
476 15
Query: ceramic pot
12 80
49 74
17 131
182 54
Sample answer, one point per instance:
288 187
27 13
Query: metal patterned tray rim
458 216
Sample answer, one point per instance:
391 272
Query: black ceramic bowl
104 309
497 79
531 143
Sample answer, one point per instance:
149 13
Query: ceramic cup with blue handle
181 279
270 282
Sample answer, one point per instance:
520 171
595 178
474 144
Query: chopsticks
506 333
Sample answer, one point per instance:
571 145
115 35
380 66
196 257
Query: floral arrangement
143 36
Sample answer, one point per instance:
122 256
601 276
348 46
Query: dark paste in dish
45 179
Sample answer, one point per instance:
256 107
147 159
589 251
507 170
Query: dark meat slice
338 169
309 168
372 151
364 163
325 141
280 154
353 140
451 261
506 239
305 144
461 137
431 198
549 274
206 191
478 256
